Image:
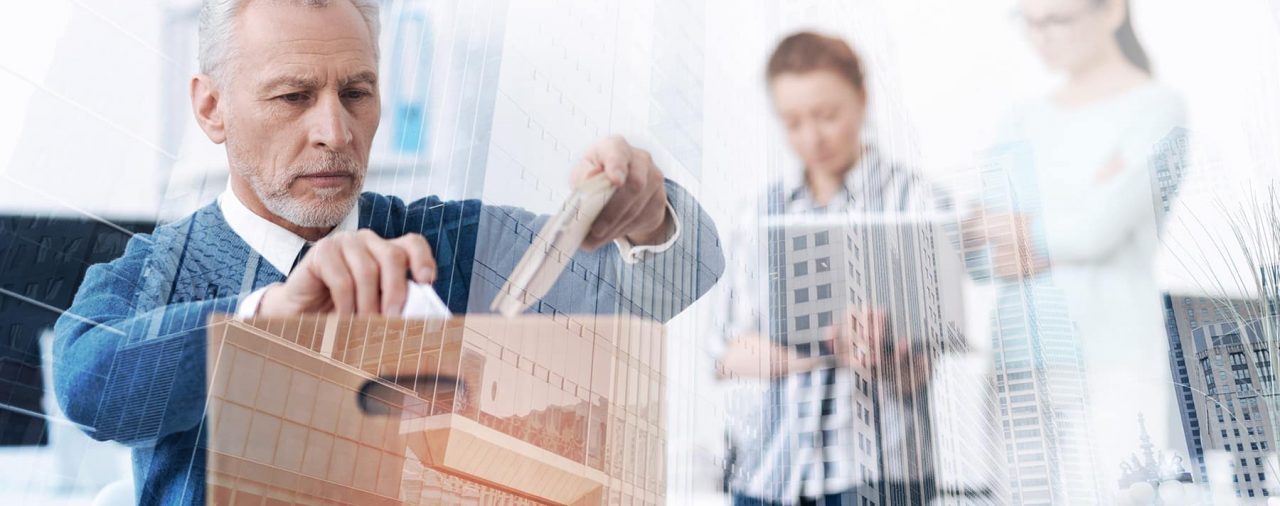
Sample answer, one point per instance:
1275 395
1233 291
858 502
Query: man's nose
330 124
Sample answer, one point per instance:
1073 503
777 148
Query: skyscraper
1225 379
1039 363
1043 400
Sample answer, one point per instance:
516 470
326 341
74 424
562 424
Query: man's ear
205 103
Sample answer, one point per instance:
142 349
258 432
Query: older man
291 88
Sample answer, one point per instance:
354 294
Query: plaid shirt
798 435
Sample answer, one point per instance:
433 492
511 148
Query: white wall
86 74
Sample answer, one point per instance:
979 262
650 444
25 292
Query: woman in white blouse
1071 213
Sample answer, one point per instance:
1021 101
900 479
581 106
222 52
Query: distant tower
1043 399
1168 164
1039 363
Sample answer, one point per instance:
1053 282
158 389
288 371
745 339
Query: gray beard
332 208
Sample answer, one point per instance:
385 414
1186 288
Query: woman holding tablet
803 439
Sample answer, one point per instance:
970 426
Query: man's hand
353 272
638 209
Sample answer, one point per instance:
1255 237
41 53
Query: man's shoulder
202 241
373 202
193 245
204 223
391 216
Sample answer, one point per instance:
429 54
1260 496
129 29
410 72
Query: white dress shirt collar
277 245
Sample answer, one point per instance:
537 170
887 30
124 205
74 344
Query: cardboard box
475 409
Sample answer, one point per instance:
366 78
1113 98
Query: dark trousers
896 493
849 498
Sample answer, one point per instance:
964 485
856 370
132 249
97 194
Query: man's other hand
638 209
353 272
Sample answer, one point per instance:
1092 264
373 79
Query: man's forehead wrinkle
293 47
305 80
309 40
367 76
322 47
305 57
310 80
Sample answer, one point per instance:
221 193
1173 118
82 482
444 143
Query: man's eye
355 94
293 98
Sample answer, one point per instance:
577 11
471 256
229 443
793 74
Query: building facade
923 431
1225 378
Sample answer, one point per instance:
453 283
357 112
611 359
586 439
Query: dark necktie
306 246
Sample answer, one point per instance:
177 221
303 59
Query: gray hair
217 23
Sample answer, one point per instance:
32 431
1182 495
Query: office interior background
495 99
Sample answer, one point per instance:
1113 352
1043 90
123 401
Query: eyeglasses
1052 24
